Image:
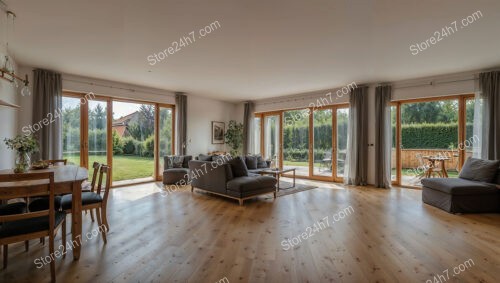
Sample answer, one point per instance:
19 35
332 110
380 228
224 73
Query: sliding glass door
431 136
341 125
71 132
166 131
272 133
133 141
296 141
97 141
312 142
131 137
323 142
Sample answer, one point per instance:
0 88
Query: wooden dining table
432 165
67 179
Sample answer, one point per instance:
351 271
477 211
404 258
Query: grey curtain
181 123
487 116
383 137
356 165
47 102
248 131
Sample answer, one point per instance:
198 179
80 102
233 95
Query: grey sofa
219 179
174 175
465 194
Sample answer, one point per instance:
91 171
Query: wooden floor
183 237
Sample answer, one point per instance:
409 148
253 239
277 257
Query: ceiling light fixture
7 72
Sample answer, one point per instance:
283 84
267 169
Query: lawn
124 167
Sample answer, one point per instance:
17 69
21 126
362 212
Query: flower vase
22 164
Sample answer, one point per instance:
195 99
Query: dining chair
42 203
97 200
21 227
426 166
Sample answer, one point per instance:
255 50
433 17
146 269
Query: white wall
8 118
201 113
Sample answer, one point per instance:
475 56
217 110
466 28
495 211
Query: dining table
432 164
68 179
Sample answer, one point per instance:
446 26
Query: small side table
277 173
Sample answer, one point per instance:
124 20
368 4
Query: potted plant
24 145
234 137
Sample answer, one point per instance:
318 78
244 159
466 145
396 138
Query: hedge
414 136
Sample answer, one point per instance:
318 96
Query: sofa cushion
497 178
238 167
221 159
458 186
479 170
246 184
261 162
185 162
251 161
204 157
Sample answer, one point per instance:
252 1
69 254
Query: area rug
288 191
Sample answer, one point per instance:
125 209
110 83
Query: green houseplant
24 145
234 137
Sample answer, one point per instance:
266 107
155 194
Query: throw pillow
479 170
261 162
204 157
177 161
251 161
220 159
238 167
497 179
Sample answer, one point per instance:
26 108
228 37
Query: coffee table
277 173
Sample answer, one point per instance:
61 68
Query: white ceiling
264 48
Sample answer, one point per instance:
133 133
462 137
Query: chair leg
105 218
26 245
99 221
92 215
241 201
192 188
42 241
52 262
63 232
5 255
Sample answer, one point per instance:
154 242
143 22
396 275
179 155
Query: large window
131 137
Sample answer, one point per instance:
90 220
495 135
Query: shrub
129 145
117 143
148 146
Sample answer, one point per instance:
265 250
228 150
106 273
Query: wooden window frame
84 124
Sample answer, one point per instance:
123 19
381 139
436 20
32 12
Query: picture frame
218 130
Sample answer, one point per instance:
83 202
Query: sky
120 109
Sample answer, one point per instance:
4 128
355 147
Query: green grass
124 167
411 172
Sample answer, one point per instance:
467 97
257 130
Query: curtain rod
115 87
432 83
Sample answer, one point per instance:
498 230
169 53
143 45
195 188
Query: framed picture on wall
218 129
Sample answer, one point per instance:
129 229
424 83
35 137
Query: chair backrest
55 161
420 159
105 170
96 167
40 184
327 154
